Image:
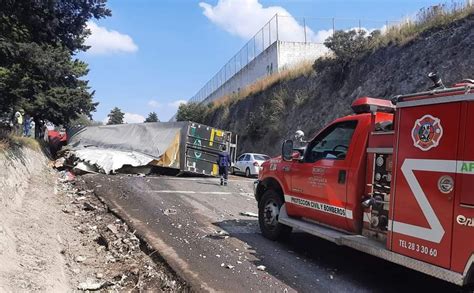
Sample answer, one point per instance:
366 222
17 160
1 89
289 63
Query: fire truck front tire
268 212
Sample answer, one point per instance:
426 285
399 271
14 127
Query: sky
152 55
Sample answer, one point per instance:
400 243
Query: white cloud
104 41
244 18
133 118
154 104
176 104
321 36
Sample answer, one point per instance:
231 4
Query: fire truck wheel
268 211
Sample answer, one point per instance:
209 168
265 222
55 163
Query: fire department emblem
427 132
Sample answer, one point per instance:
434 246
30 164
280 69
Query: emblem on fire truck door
427 132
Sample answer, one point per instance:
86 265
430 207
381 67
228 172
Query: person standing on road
223 161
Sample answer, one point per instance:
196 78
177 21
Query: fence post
304 27
277 36
333 26
247 52
254 46
270 32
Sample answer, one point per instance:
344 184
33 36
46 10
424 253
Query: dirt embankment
57 237
309 102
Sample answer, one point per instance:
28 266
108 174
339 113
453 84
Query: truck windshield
332 143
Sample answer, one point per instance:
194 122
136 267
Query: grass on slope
9 140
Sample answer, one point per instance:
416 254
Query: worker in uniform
223 161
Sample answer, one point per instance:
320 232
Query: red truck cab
393 180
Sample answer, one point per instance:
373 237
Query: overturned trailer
178 147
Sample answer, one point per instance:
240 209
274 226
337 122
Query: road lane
197 227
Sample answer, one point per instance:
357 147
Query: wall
279 56
292 53
264 64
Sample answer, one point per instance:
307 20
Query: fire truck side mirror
287 150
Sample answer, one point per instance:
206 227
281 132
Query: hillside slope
308 102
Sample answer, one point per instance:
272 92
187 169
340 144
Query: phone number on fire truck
418 248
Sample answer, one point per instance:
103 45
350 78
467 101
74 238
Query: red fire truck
394 180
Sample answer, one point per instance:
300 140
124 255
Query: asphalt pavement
200 229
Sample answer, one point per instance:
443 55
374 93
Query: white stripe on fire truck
435 232
319 206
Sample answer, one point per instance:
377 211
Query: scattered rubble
80 258
108 255
91 285
170 212
249 214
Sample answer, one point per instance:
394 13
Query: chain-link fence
286 29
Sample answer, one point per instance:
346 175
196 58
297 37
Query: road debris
170 212
59 163
91 285
112 228
66 176
249 214
80 258
261 268
108 249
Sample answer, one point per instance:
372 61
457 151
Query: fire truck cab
395 180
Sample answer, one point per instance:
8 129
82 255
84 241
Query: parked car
249 164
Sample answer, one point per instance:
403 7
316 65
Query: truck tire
268 211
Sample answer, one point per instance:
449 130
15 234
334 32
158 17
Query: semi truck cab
395 180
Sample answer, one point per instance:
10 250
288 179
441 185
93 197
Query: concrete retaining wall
265 64
292 53
279 56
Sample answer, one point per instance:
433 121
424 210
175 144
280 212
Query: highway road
196 226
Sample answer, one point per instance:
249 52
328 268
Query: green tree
115 116
152 117
192 112
350 45
38 71
347 46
